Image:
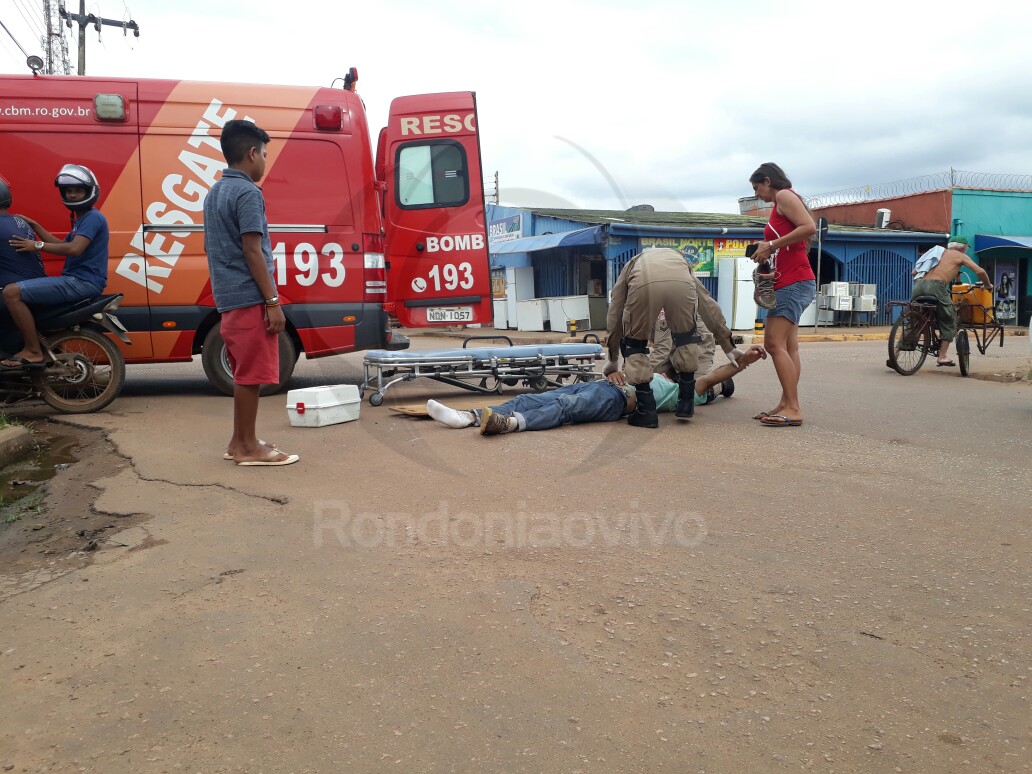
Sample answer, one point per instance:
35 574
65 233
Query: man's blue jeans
599 401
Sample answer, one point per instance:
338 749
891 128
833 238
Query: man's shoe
493 423
764 293
727 388
644 414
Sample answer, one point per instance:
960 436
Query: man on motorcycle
15 266
86 265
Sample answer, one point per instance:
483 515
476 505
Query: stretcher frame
483 369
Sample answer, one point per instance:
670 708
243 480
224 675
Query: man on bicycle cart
937 283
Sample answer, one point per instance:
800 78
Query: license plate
440 314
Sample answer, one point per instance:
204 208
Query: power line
29 19
85 20
14 39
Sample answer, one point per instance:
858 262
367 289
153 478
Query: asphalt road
850 595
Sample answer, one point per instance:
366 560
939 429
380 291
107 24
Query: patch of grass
6 421
31 505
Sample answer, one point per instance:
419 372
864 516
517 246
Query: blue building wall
999 213
1003 213
496 212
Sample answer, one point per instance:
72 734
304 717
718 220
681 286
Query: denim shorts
54 291
793 300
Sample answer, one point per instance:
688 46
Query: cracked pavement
851 595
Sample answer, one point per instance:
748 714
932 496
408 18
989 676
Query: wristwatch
272 301
39 245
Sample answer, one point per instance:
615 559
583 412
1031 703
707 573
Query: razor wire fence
953 178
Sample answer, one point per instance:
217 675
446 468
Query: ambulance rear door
435 235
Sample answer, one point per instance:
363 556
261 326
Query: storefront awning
582 236
988 245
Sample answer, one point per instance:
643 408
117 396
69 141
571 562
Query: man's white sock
449 416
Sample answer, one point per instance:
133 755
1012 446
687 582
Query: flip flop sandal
944 364
780 421
761 416
23 364
271 459
229 457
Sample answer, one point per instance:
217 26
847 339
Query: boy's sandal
229 457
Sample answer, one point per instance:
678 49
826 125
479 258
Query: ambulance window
431 175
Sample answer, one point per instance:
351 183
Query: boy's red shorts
253 351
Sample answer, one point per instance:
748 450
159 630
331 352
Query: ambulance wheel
376 399
538 384
216 362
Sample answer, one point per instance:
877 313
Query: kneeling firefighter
660 279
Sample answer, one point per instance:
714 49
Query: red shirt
792 262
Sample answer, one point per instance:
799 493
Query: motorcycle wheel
88 373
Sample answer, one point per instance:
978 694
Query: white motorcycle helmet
76 175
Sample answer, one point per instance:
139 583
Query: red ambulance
361 244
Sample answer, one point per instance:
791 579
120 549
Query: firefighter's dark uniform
660 279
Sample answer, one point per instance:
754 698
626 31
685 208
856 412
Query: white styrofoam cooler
320 406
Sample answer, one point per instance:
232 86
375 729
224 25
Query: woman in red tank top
786 248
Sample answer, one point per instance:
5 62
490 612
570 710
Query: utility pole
84 20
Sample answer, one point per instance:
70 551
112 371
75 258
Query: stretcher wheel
538 384
376 399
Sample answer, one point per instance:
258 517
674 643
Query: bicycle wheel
87 375
963 353
909 342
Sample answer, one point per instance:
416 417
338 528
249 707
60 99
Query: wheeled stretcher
482 369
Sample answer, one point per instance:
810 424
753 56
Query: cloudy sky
609 104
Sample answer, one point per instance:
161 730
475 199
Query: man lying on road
599 401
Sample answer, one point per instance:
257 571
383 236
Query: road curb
835 337
15 442
747 338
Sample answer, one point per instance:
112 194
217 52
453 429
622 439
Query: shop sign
1005 282
505 230
698 252
731 248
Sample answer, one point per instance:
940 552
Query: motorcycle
83 370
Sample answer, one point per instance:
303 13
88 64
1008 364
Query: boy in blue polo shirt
236 239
